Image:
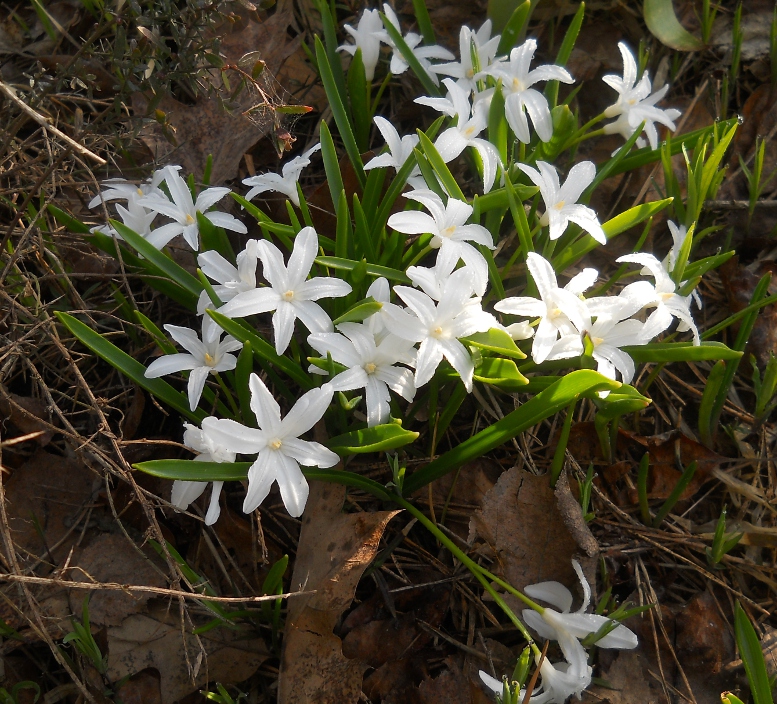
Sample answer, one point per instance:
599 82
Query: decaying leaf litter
383 614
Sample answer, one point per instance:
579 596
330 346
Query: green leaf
68 221
496 341
612 228
129 366
680 352
262 349
372 269
500 372
617 403
752 656
274 579
159 337
545 404
243 370
440 167
513 16
193 471
424 21
160 260
331 164
379 438
212 237
338 112
363 309
663 24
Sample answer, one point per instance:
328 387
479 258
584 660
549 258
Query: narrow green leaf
372 269
514 24
359 95
545 404
160 260
751 652
331 164
339 112
129 366
245 365
496 341
440 167
500 372
379 438
410 57
663 24
657 352
159 337
68 220
363 309
424 22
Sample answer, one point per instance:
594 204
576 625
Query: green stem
482 574
228 394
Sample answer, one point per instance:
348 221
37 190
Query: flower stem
228 394
482 574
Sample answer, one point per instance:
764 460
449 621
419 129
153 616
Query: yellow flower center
437 331
140 191
370 368
560 205
209 360
597 341
665 296
288 296
448 231
517 85
469 132
190 220
275 444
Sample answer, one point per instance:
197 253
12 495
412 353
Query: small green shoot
722 542
586 487
749 646
765 388
83 641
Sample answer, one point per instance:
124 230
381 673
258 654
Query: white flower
399 148
380 292
184 492
438 328
663 295
184 211
370 366
679 235
567 628
559 308
206 356
422 53
559 682
121 189
431 280
635 104
485 48
520 97
289 294
450 235
561 206
367 37
231 280
134 216
470 122
285 182
280 451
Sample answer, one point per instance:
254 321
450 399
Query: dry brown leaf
110 558
334 549
702 638
143 688
523 530
205 128
53 492
26 413
157 640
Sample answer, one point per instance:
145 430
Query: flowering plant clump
431 286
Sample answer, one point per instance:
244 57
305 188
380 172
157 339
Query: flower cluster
398 349
561 680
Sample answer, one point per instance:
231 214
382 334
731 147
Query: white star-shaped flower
635 104
231 280
121 189
134 216
289 294
399 148
184 492
485 49
471 120
520 97
450 235
438 327
663 295
183 209
561 311
277 444
561 206
367 36
285 182
206 356
559 682
371 366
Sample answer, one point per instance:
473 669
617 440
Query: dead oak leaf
156 640
334 550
